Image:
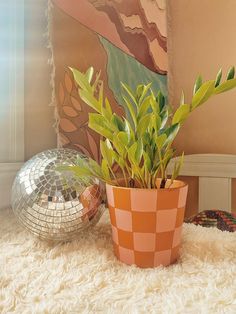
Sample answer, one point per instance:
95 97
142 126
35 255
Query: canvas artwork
126 40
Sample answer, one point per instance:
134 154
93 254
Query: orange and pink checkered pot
147 223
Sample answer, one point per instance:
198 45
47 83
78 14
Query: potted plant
146 207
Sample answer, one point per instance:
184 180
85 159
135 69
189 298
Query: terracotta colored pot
147 223
91 199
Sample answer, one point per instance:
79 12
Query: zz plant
139 147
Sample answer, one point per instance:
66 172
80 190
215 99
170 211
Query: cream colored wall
202 39
39 119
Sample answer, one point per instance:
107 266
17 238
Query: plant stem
126 181
163 183
114 176
161 165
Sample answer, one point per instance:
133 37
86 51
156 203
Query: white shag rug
84 276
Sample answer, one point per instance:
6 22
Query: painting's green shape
124 68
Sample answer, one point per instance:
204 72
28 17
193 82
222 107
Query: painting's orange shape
155 15
93 146
70 112
75 103
83 149
95 20
159 55
132 21
68 83
67 125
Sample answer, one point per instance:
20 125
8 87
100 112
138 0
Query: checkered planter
147 224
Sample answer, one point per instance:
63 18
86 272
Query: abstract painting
126 40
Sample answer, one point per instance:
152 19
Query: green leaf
96 82
139 151
128 129
81 79
99 124
171 132
177 168
123 137
129 92
119 144
139 91
218 78
100 97
94 167
203 93
154 104
131 110
145 89
224 87
106 114
161 100
197 85
107 152
160 140
230 74
167 157
146 138
136 171
89 74
106 111
121 162
143 124
156 122
108 106
147 161
90 100
77 170
144 107
164 118
181 114
117 121
131 153
108 144
105 170
150 151
182 98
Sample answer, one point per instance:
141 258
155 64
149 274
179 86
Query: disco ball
51 204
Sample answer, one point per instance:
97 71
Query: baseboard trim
7 174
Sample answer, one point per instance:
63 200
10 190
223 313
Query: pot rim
184 184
